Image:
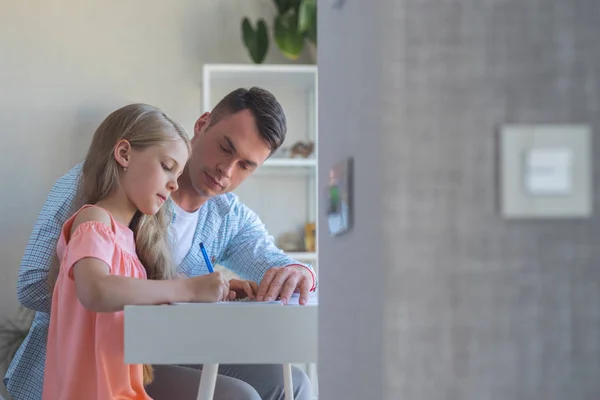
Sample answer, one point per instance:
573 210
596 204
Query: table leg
288 385
312 376
208 380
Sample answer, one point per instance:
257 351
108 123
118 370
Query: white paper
313 300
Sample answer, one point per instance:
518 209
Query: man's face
226 153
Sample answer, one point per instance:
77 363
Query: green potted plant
294 25
12 333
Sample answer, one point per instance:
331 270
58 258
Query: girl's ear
122 153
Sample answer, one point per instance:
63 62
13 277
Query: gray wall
466 305
352 267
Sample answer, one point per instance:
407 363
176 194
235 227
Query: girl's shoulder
89 213
88 219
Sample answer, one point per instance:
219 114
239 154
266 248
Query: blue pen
206 259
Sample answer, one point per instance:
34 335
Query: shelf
290 162
261 75
303 256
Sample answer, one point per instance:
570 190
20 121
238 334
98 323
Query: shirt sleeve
252 251
32 282
91 239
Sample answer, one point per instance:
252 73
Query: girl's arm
100 291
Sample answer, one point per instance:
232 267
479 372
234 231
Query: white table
213 334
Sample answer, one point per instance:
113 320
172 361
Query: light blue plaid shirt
233 236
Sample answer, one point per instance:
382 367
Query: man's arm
32 284
252 252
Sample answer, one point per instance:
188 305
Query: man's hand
243 289
282 282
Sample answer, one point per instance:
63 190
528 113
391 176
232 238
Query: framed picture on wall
339 201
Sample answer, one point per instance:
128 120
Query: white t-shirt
184 228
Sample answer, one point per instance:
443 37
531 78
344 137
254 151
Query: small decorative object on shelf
310 237
290 241
302 149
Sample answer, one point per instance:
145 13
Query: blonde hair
143 126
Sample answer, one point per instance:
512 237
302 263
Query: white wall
65 64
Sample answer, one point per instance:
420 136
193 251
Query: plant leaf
248 36
262 39
295 4
287 36
256 41
12 335
307 19
283 5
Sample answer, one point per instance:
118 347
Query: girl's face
152 173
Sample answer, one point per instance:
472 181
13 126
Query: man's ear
201 124
122 153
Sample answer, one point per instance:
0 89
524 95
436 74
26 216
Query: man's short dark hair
268 113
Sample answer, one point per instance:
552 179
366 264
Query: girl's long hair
142 125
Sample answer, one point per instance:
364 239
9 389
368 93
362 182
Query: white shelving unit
292 162
283 191
304 256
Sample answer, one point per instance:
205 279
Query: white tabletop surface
236 332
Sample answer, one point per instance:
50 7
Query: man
228 145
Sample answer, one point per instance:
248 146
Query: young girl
113 252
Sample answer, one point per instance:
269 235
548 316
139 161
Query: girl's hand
207 288
242 289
